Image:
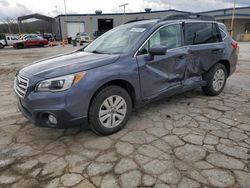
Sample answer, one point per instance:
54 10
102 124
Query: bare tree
11 23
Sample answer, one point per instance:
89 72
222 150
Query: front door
162 73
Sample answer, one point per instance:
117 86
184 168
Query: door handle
216 51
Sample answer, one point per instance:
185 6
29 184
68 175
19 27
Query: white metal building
70 24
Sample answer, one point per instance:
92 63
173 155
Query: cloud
4 3
192 6
10 11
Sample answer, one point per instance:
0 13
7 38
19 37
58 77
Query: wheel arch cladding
226 64
118 82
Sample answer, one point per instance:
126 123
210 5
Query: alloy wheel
219 79
112 111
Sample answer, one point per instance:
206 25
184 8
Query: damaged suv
125 68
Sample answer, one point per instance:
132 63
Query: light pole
65 11
124 11
232 22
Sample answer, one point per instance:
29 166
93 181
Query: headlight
60 83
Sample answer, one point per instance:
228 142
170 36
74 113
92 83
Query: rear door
164 72
205 46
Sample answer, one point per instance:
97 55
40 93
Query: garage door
73 28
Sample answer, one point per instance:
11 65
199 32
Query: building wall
91 21
239 25
242 18
56 29
243 10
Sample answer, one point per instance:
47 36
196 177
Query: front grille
21 85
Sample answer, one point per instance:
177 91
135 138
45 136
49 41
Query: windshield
118 40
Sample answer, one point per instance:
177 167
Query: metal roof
37 16
131 13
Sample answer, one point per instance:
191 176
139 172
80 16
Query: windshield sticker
139 30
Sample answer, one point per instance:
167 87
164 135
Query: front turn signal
78 77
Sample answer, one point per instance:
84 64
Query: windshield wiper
97 52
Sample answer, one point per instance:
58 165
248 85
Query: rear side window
201 33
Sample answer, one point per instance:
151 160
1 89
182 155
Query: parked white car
11 39
3 42
82 37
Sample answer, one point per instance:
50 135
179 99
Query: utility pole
65 11
124 11
232 22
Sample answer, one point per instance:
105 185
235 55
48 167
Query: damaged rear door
205 46
162 73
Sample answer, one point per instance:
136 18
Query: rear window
201 33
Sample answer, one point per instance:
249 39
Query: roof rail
187 16
138 20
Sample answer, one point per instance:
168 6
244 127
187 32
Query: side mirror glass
158 50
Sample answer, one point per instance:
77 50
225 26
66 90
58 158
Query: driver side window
169 36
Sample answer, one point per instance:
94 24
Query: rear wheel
216 79
41 45
1 45
110 110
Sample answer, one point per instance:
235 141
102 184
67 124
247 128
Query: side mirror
158 50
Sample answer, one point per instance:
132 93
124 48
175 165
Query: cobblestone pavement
189 140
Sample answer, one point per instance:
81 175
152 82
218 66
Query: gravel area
189 140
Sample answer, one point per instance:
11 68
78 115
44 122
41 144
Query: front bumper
69 107
39 117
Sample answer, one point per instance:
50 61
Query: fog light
52 119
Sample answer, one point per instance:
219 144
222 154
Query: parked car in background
11 39
48 36
129 66
99 33
3 41
30 40
82 37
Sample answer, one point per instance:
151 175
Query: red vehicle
29 41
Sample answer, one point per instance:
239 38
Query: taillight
234 44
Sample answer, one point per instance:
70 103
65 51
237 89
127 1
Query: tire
20 46
41 45
1 45
217 74
105 120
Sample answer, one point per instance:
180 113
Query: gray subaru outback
125 68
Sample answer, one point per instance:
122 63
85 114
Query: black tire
100 97
20 46
209 76
41 45
1 45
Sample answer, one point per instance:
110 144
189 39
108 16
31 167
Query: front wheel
1 45
110 110
216 79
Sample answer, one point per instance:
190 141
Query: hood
68 64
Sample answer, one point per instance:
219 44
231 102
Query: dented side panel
203 57
162 72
